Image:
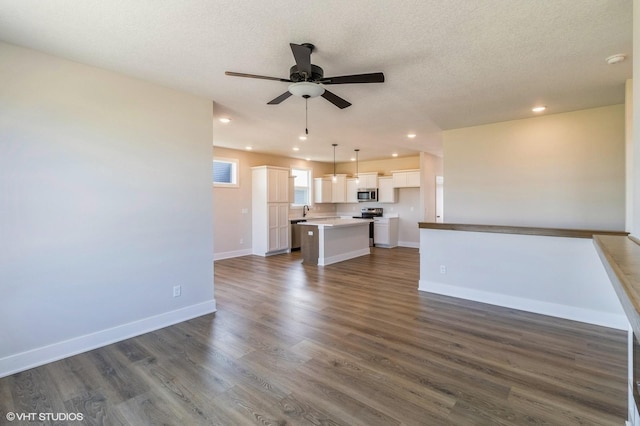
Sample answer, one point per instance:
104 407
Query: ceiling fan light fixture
306 89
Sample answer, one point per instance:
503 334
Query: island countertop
336 222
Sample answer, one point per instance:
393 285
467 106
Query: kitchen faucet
305 210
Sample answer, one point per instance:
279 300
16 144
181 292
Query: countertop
335 222
307 217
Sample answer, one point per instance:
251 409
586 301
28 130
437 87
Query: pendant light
357 175
335 178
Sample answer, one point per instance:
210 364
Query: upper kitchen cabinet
276 180
322 190
339 189
386 191
328 191
368 180
352 190
406 178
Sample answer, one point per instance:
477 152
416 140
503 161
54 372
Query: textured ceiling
448 64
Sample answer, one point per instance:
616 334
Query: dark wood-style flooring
354 343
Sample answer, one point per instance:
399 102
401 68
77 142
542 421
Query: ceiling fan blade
279 99
375 77
239 74
335 99
302 55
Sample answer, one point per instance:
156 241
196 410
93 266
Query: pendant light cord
334 160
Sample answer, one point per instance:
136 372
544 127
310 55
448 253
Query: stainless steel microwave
368 194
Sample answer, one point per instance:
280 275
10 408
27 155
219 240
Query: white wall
635 150
558 170
105 205
408 209
629 158
431 167
562 277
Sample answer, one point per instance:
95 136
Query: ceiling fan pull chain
306 116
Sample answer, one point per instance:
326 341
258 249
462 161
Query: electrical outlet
177 290
241 240
443 269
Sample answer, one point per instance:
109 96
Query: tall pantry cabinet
270 210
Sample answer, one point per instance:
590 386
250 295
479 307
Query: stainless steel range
370 213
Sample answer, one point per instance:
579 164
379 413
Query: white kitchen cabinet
277 184
386 191
270 210
279 226
328 191
385 231
322 189
368 180
339 189
352 190
406 178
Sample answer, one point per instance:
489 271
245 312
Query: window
225 172
301 186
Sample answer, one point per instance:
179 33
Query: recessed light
395 154
248 148
295 148
224 120
308 159
538 108
303 138
353 158
615 59
411 135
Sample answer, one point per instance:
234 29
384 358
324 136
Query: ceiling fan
308 80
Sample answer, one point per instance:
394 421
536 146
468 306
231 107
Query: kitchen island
327 241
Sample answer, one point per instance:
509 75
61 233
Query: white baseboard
410 244
231 254
574 313
324 261
36 357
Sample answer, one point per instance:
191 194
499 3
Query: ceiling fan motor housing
316 74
